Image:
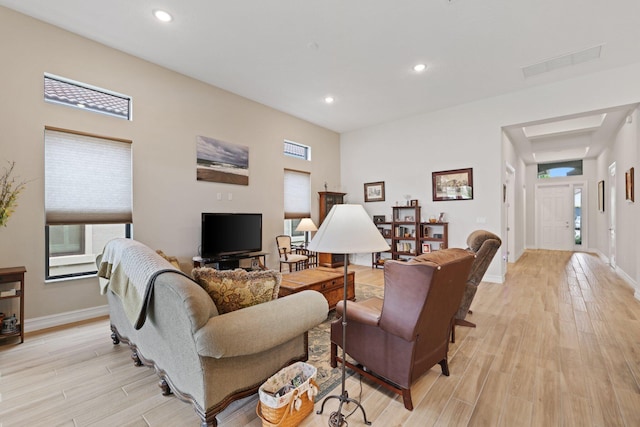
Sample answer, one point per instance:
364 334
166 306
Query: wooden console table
328 281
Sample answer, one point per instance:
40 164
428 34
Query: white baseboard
38 323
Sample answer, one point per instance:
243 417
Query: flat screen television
227 234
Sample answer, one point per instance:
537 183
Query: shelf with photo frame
406 231
434 236
378 258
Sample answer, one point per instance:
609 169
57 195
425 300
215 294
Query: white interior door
612 215
555 217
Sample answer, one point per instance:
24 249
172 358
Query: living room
170 110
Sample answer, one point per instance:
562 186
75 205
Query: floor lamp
347 229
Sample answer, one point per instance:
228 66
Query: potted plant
10 188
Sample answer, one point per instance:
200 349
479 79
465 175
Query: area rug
319 345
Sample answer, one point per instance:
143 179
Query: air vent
562 61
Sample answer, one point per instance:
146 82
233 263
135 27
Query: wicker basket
288 410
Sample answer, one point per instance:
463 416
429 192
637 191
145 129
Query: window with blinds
88 199
297 202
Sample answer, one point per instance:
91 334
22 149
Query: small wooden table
328 281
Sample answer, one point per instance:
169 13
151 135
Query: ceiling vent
562 61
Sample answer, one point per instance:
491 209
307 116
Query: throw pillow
235 289
173 260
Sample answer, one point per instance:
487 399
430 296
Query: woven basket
288 410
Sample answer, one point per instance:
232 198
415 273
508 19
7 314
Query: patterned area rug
319 345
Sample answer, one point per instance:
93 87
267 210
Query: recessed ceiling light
163 16
418 68
329 99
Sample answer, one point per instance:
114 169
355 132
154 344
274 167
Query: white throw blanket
131 269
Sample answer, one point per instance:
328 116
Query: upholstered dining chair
395 340
293 260
484 245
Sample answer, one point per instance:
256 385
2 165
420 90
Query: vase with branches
10 188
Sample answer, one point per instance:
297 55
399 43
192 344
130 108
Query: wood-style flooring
558 344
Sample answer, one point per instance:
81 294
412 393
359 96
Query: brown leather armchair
484 245
397 339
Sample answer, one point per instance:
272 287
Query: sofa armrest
261 327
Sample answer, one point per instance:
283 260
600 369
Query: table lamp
306 225
347 229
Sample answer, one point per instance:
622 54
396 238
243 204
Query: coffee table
328 281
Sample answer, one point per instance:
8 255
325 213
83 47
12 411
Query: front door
555 217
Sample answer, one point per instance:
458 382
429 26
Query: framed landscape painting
452 185
219 161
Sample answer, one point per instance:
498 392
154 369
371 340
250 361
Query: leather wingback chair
397 339
484 245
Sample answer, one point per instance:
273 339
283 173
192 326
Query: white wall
624 152
169 111
405 152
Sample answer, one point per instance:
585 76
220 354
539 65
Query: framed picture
414 203
628 185
374 191
386 232
379 218
453 185
426 248
601 196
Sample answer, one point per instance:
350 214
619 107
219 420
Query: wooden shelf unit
408 234
9 278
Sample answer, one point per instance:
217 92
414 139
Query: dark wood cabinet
327 200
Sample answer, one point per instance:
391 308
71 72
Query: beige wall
169 111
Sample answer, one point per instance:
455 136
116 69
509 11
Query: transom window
293 149
59 90
560 169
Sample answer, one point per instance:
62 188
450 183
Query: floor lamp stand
337 419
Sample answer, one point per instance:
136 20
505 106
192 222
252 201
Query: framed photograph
386 232
408 219
379 218
453 185
628 185
414 203
601 196
426 248
374 191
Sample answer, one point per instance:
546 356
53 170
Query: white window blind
297 194
87 179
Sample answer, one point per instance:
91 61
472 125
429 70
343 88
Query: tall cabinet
327 200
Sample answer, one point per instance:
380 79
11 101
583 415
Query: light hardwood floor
558 344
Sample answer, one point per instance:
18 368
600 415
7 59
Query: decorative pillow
235 289
173 260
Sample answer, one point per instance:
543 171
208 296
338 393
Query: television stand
255 261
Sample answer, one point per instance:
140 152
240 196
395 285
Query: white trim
493 278
44 322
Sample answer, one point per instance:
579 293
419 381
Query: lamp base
337 419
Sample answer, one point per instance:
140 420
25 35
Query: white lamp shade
306 224
348 229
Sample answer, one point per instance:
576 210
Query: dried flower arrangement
10 188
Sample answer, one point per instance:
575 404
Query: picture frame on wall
628 185
454 184
601 196
374 191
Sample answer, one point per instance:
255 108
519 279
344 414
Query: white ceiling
291 54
